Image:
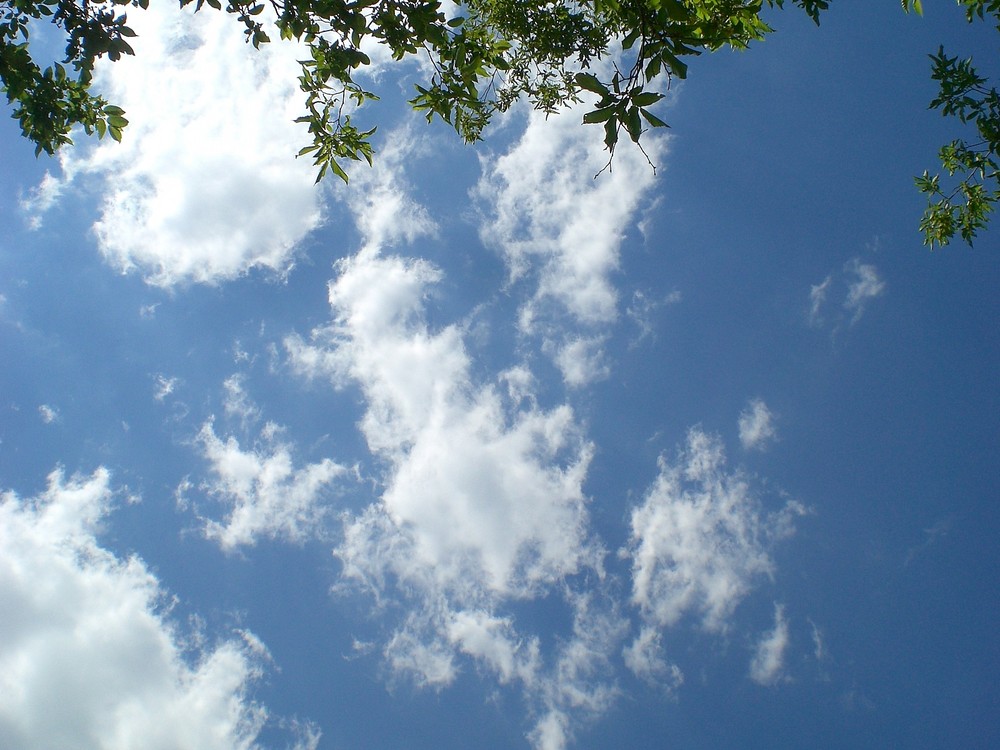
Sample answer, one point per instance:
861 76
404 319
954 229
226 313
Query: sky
481 450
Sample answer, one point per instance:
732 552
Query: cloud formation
48 414
700 539
266 495
88 659
480 493
863 285
555 224
482 501
756 425
769 654
205 185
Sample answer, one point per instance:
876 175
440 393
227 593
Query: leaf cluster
484 55
49 102
961 202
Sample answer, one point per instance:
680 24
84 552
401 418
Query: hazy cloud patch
48 414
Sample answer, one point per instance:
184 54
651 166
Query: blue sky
481 450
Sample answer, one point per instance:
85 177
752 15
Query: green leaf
599 115
633 124
646 98
653 120
611 134
591 83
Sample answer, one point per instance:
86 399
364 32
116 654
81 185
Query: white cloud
267 495
700 539
756 426
493 641
148 312
40 199
645 658
205 185
384 212
866 286
87 657
580 684
819 644
479 493
769 654
427 661
553 222
641 309
817 298
581 361
164 386
238 403
482 502
863 285
49 414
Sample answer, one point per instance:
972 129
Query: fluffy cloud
205 185
267 495
87 658
769 655
700 539
479 493
553 222
482 502
756 425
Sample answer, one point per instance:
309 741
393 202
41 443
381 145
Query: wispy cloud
384 211
865 287
769 655
557 226
163 386
89 659
40 199
863 284
817 298
756 425
238 404
937 531
645 658
641 310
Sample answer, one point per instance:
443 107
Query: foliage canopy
483 56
